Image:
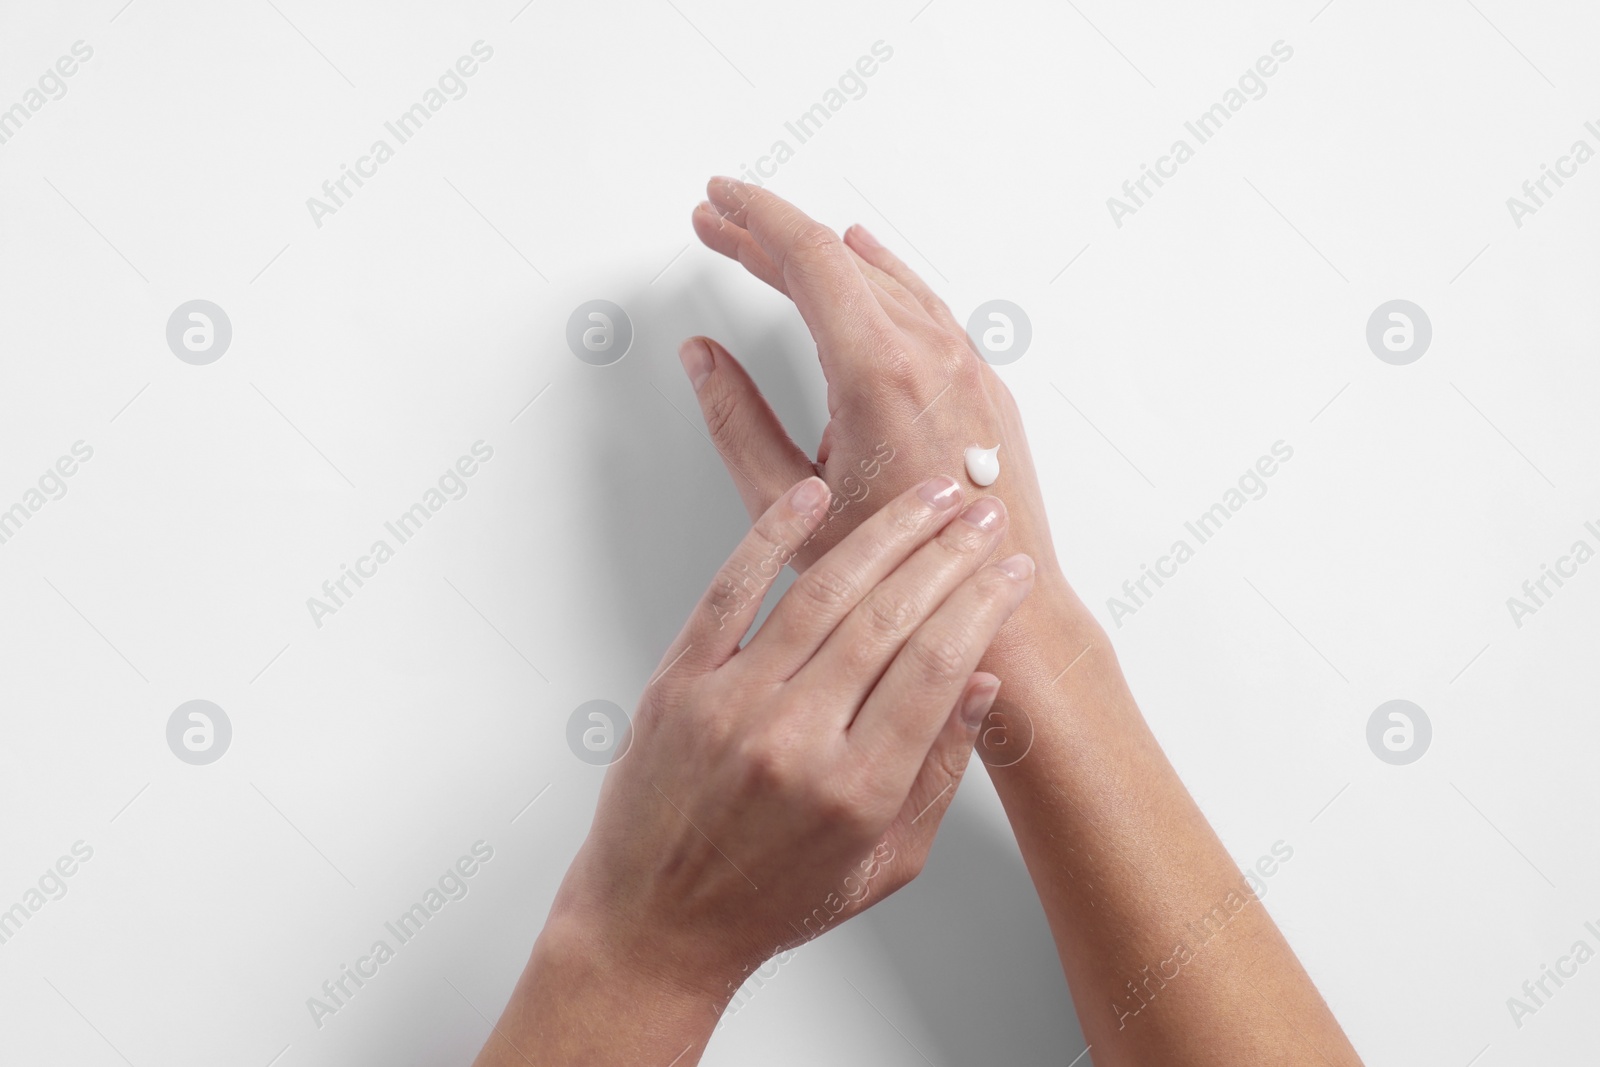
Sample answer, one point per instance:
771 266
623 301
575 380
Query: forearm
1169 956
578 1004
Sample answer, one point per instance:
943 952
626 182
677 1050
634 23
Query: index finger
724 614
829 290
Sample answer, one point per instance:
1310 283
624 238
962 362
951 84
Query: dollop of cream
983 464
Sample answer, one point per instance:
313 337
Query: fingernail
985 514
723 186
939 493
697 361
1019 566
809 496
714 211
979 701
866 237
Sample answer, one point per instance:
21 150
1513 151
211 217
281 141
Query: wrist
1045 637
622 945
611 1004
579 1000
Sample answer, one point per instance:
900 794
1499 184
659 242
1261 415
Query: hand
772 791
903 379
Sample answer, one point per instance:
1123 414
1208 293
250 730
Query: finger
903 308
870 249
832 586
858 652
896 727
724 614
830 293
934 789
735 242
721 235
753 444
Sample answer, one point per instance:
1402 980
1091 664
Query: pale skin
840 726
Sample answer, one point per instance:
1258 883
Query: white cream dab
983 464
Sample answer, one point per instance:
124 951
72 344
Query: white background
368 354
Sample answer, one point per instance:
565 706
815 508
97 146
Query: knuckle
767 550
958 361
831 589
959 542
907 521
995 588
744 579
892 610
714 730
845 809
891 285
815 255
864 658
767 767
938 658
898 368
813 245
953 761
734 587
720 411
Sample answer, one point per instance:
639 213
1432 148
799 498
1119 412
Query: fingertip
711 226
982 689
697 359
726 194
860 235
1018 567
987 513
810 496
940 492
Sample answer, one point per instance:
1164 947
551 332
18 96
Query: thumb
754 446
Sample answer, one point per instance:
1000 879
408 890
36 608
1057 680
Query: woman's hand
903 379
772 791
